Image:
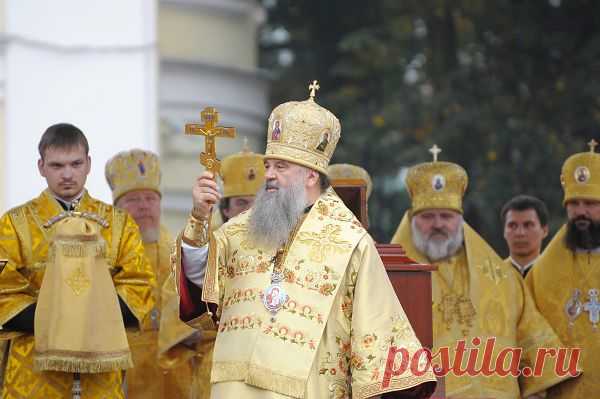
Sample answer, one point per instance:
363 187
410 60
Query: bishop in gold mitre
475 294
26 234
134 177
565 280
297 280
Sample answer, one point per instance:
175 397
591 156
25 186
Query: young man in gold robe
134 178
475 294
297 280
25 234
565 281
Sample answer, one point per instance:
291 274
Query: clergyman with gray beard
476 296
281 274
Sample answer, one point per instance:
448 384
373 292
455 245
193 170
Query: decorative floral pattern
234 323
337 363
366 352
287 334
324 281
306 311
239 295
242 265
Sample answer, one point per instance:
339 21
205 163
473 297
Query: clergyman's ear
40 164
313 178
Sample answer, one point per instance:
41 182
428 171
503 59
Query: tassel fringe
73 364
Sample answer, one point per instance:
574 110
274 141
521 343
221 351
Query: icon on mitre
276 132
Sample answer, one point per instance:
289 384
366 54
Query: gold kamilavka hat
243 173
133 170
436 185
303 132
580 175
345 171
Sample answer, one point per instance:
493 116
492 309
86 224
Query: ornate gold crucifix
210 131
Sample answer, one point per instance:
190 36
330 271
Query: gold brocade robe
500 306
332 337
148 379
191 362
556 274
24 242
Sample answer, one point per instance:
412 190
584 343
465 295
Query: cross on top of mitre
313 87
593 144
435 151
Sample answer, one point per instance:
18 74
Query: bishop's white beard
437 249
276 213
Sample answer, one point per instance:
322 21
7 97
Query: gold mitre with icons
580 175
342 172
243 173
303 132
436 185
133 170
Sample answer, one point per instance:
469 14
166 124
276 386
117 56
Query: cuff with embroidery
196 232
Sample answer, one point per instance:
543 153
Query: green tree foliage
508 89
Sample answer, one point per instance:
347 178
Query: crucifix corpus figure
210 130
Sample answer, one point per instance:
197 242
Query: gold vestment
333 335
150 378
477 294
24 242
552 281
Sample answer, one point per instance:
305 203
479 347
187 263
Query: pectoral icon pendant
573 307
274 296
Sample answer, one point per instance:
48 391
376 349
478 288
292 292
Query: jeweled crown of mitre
436 185
580 175
133 170
243 173
303 132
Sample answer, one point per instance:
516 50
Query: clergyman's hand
205 194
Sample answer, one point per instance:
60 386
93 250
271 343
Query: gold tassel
70 364
258 377
267 379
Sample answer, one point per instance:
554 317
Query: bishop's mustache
438 231
271 184
581 218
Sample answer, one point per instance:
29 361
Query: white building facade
129 74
